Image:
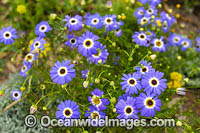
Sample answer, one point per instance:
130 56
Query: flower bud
153 56
113 100
33 109
179 123
114 110
85 84
44 108
112 83
97 80
1 92
53 16
22 88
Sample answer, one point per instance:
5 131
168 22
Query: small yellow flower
178 5
21 9
46 50
123 16
176 76
158 22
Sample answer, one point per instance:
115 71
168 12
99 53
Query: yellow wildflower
158 22
21 9
176 76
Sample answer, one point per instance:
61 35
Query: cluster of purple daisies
163 21
147 102
88 44
70 109
36 47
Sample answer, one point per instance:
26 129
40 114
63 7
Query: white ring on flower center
43 28
97 113
130 108
143 36
150 11
93 102
141 70
24 68
185 44
71 112
18 94
91 43
111 20
147 106
141 12
73 19
9 35
74 41
66 71
161 43
95 19
32 57
176 39
135 81
157 81
37 45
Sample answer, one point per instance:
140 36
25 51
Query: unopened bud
85 84
33 109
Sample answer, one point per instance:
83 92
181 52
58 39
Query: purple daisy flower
73 23
124 97
131 83
25 68
186 43
62 73
88 42
7 35
38 43
151 11
72 41
158 44
139 13
41 28
153 82
118 32
109 21
30 57
144 67
148 103
84 73
197 47
94 113
16 94
68 110
197 40
97 101
144 20
94 21
101 56
141 38
165 26
174 39
127 109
